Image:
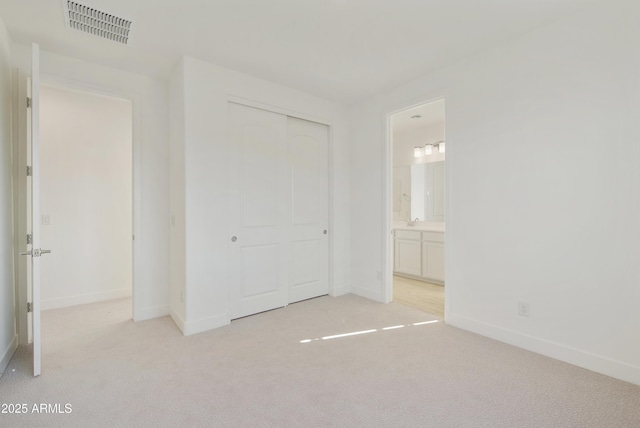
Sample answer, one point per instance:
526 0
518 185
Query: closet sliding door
259 186
278 209
308 148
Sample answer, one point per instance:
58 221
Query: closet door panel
308 150
260 177
259 270
258 210
306 255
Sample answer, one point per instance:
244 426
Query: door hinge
28 102
29 171
29 238
29 307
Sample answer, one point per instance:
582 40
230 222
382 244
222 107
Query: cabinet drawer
433 236
408 234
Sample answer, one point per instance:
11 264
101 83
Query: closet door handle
324 231
234 238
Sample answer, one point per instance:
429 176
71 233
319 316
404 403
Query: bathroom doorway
417 206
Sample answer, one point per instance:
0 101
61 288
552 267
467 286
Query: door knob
234 238
324 231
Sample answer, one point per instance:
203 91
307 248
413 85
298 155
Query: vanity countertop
422 227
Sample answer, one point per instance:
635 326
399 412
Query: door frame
20 110
387 198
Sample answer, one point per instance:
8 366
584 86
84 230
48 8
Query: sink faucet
411 222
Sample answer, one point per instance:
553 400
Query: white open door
35 205
34 209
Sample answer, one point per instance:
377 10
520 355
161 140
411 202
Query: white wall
8 338
207 89
86 185
543 189
151 164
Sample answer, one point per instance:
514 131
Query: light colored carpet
256 373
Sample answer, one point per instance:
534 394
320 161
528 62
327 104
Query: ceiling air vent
93 21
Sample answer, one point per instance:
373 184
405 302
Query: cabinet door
433 260
407 257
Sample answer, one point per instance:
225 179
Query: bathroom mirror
418 192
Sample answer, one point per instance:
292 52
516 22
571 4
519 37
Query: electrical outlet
523 309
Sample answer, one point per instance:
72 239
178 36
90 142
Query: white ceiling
430 114
342 50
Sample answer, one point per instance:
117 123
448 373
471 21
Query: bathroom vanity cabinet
419 254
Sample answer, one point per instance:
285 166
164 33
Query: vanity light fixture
427 149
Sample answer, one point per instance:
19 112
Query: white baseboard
340 291
81 299
150 312
368 294
177 319
586 360
194 327
205 324
8 353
